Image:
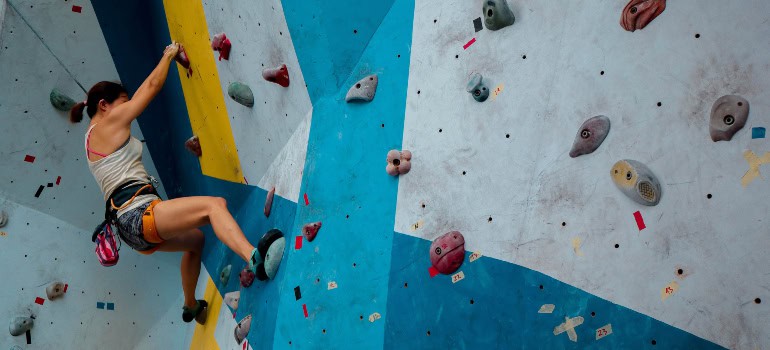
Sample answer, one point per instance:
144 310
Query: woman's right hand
171 50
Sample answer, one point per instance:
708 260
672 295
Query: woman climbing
145 222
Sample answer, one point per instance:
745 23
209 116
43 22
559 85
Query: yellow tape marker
202 91
203 337
416 226
754 163
604 331
374 317
331 285
3 233
546 309
475 256
669 290
569 327
576 243
458 277
497 91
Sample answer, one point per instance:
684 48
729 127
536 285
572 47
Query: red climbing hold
246 277
183 60
311 230
269 202
194 146
448 252
222 44
638 13
279 75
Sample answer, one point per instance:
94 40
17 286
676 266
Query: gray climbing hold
3 218
477 88
54 290
497 14
274 256
61 101
242 329
20 325
636 181
224 275
232 299
363 90
590 136
728 115
241 93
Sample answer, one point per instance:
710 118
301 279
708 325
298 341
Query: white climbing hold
232 299
54 290
242 329
3 218
363 90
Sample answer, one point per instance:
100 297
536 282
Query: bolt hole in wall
601 73
680 271
708 196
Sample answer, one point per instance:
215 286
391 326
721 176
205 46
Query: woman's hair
105 90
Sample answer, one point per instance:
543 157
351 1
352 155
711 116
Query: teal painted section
327 47
350 192
496 307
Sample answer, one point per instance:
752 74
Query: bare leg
179 215
191 243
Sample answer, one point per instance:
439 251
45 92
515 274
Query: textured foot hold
399 162
477 88
278 75
590 136
497 14
363 90
638 13
447 252
61 101
241 93
728 115
636 181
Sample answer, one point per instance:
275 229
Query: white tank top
120 167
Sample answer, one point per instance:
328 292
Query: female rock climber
145 222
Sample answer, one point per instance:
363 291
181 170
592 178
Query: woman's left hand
171 50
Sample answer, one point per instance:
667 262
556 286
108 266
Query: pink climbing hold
639 13
269 202
399 162
193 145
278 75
247 277
311 230
222 44
447 252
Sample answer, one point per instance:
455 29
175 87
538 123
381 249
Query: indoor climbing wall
555 254
53 203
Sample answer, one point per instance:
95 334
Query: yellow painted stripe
202 92
203 338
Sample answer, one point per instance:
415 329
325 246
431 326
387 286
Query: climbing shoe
197 313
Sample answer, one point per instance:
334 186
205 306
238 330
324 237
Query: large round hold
448 252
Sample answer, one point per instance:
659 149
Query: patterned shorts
130 229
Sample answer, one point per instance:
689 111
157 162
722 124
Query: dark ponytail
76 113
105 90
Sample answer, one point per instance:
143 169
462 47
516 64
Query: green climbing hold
61 101
241 93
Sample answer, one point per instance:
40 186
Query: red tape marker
432 271
469 43
39 300
65 287
304 309
29 159
298 243
58 180
639 220
76 8
307 202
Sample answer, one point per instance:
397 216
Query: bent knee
218 202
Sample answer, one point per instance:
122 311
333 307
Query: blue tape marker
99 305
110 306
758 133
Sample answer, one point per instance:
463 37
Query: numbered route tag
604 331
374 317
332 285
669 290
3 234
475 256
458 277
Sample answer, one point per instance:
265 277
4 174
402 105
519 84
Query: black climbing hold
267 239
636 181
61 101
590 136
363 90
728 115
477 88
497 14
241 93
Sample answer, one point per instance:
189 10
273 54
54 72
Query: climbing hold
447 252
638 13
363 90
183 60
636 181
193 145
242 329
477 88
20 325
269 202
241 93
497 14
273 259
311 230
278 75
54 290
3 218
222 44
232 299
246 277
224 275
61 101
268 239
399 162
590 136
728 115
